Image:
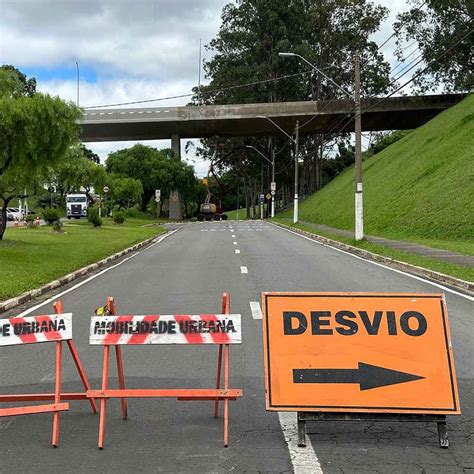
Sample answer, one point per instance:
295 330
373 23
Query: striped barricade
38 329
112 330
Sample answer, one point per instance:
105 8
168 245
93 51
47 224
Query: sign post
261 201
359 356
273 187
106 190
157 200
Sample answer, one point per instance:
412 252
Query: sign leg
123 401
218 384
226 401
57 394
103 401
301 432
443 435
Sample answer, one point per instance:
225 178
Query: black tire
217 217
200 217
224 217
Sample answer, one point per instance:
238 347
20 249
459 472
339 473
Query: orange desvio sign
358 352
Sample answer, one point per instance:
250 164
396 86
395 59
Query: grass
30 258
457 271
419 189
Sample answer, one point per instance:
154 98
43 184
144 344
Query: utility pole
297 152
273 192
359 208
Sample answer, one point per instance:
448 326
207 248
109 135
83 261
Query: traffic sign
268 196
359 352
272 193
106 189
273 186
158 194
51 189
262 198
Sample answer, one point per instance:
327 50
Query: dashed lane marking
244 270
304 460
235 243
256 310
237 251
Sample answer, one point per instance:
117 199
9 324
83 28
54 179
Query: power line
213 91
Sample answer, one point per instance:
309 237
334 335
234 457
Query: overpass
395 113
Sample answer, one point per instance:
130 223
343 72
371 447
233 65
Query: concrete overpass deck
395 113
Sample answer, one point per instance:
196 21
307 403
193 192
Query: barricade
111 330
38 329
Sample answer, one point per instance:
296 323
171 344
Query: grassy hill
419 189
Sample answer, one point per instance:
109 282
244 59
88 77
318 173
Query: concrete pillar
176 146
175 201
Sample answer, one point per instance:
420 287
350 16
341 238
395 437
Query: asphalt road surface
187 272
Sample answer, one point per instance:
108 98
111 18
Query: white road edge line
256 310
237 251
415 277
243 270
235 243
87 280
304 460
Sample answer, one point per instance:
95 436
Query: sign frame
272 406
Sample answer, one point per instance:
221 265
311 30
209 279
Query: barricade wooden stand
57 396
217 395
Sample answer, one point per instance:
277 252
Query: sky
126 50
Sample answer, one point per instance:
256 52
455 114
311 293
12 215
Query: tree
76 173
443 32
35 133
328 33
125 191
155 169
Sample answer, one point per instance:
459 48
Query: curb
28 295
466 286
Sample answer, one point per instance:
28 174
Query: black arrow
368 376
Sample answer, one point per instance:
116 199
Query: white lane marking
87 280
213 230
243 270
304 460
237 251
235 243
415 277
233 235
256 310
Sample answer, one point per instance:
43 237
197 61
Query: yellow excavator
211 208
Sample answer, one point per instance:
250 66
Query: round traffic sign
106 189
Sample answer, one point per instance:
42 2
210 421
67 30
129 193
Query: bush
57 226
133 213
119 217
50 216
93 216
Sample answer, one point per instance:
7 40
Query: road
187 273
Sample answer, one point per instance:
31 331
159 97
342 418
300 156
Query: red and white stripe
179 337
9 338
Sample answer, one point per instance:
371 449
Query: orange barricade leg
57 394
218 385
103 401
118 355
58 309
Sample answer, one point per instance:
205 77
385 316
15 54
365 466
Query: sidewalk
445 255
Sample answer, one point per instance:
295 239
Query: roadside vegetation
31 257
419 189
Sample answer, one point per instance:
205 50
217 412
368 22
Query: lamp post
359 214
296 143
272 162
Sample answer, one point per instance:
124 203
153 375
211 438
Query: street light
291 55
77 67
272 162
359 213
296 141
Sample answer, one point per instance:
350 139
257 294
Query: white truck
76 205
